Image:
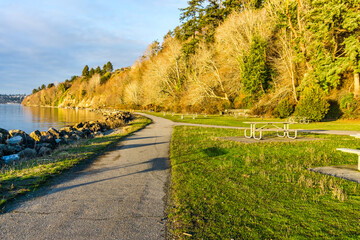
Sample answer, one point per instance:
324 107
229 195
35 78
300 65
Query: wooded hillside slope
275 57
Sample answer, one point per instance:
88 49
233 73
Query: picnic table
260 127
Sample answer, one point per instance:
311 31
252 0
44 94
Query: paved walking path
120 196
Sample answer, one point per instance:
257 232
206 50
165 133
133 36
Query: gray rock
79 133
61 141
12 149
87 132
16 132
79 126
54 132
27 153
3 147
27 140
4 135
4 131
48 139
17 140
75 137
40 145
44 151
36 135
99 134
9 158
95 127
67 129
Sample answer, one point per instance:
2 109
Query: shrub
104 78
312 104
61 88
348 106
284 109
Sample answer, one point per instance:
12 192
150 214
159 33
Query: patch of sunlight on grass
230 190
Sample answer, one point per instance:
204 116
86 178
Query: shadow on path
84 168
157 164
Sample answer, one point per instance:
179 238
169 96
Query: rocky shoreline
17 145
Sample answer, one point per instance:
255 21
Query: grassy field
227 120
229 190
29 175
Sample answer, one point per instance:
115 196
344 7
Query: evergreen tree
73 78
334 25
50 85
214 15
191 17
91 72
201 17
103 71
256 71
239 5
98 70
85 71
109 67
43 87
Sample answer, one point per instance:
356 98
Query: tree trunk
356 84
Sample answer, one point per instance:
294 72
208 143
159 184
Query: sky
48 41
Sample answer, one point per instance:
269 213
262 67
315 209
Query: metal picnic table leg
284 133
254 131
251 132
287 132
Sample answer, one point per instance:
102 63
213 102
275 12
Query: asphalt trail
121 195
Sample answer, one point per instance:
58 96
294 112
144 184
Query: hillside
275 57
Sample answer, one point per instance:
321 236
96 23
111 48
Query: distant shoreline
12 98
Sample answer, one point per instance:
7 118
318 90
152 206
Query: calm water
28 119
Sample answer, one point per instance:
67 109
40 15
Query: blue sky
46 41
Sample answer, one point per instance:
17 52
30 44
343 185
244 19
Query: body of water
28 119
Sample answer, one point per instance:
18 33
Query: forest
278 58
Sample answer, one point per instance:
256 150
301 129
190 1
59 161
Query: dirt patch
269 139
348 172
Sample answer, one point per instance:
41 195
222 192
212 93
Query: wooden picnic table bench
264 127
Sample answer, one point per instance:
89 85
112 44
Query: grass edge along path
231 121
229 190
30 175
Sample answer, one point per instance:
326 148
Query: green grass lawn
229 190
29 175
227 120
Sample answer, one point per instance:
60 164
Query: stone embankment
16 144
